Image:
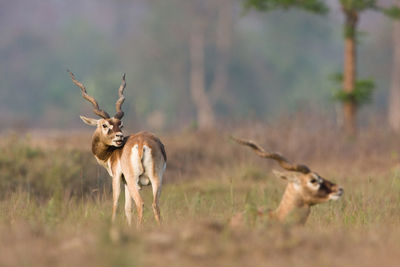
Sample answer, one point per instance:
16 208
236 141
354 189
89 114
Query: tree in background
203 99
313 6
275 63
394 94
205 114
355 92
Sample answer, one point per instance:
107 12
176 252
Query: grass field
55 202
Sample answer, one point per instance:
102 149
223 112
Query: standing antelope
137 159
305 188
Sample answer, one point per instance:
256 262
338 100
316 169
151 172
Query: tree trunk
394 97
349 73
223 44
205 115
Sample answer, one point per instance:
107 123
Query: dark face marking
326 188
111 131
116 125
317 189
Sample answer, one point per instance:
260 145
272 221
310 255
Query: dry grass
55 202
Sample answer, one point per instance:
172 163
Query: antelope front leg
116 187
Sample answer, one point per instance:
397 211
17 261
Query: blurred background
198 71
180 58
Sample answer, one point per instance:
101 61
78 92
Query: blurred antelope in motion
136 160
304 189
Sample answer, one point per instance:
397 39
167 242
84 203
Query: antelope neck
101 150
291 201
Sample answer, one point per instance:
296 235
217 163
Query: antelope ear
89 121
288 176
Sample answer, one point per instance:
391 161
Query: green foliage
392 12
315 6
361 94
352 8
358 5
251 209
363 5
350 31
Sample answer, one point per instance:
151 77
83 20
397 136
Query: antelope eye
313 181
104 126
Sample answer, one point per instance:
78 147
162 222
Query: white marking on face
316 177
315 182
104 125
117 141
334 196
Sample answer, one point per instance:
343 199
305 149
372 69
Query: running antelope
137 160
305 188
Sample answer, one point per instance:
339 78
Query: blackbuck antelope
305 188
137 160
